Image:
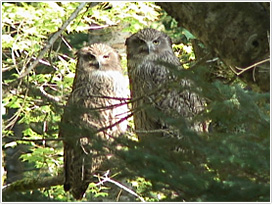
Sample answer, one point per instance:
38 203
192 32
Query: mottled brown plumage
151 67
96 103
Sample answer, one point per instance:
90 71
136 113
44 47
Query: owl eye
89 57
138 41
156 42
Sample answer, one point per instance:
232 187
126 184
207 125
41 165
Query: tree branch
52 39
47 95
105 178
33 183
242 70
33 140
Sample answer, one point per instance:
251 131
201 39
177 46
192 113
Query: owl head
98 56
148 41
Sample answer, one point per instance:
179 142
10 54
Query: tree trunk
237 32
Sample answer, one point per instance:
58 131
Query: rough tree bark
237 32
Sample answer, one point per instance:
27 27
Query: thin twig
66 43
53 39
108 107
51 97
105 178
153 131
15 117
42 61
114 124
109 97
14 60
242 70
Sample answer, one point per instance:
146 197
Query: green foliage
44 157
36 102
230 163
233 158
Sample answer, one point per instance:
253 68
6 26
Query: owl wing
78 160
80 122
156 80
181 102
90 108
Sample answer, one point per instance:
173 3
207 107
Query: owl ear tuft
169 40
131 38
78 53
127 40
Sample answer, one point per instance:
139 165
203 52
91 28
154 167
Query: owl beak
150 47
97 64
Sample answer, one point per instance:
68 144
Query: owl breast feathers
95 113
152 65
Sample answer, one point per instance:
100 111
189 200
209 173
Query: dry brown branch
242 70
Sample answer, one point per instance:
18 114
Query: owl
95 113
152 68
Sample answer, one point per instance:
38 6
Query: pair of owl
97 106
